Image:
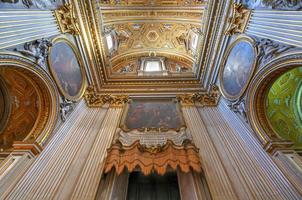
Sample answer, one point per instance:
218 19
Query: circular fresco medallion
238 68
66 67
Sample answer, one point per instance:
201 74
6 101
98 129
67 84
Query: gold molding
210 99
98 100
67 20
239 19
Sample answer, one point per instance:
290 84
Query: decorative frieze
239 20
67 20
202 99
98 100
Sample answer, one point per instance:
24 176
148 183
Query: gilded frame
239 39
82 69
124 127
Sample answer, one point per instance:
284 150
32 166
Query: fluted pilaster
20 26
216 176
88 182
45 176
250 162
278 25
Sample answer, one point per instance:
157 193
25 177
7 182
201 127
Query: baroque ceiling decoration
119 35
151 30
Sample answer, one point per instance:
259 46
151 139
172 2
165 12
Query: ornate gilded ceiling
121 36
150 28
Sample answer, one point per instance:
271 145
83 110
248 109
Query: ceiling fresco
284 106
141 28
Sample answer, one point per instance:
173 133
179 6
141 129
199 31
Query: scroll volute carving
93 99
67 20
239 20
203 99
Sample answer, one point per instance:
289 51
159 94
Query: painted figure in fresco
153 115
67 68
238 68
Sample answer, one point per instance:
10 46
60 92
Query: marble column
62 156
217 178
247 159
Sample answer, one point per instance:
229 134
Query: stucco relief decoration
269 49
209 99
93 99
37 49
239 20
67 20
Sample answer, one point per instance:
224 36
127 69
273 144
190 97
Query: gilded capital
239 20
203 99
67 20
186 99
98 100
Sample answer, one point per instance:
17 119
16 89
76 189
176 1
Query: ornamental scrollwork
239 107
67 20
37 49
98 100
269 49
203 99
66 107
239 20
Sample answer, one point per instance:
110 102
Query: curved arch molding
37 85
263 103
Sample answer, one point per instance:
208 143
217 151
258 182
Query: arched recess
258 96
33 100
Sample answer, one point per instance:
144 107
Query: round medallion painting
238 68
65 67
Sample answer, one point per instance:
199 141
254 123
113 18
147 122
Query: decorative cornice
67 20
239 19
203 99
98 100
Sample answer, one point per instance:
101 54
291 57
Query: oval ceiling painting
238 68
65 66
